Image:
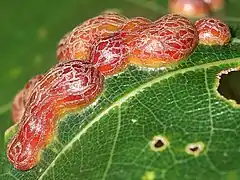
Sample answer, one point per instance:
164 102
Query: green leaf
112 139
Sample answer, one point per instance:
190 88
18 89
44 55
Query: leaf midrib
132 94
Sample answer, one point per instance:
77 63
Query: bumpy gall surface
78 43
189 8
20 100
109 55
135 24
212 32
168 40
65 87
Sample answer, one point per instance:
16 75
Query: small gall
212 31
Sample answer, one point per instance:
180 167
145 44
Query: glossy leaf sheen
110 139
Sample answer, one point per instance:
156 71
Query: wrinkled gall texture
20 100
109 55
77 43
131 29
189 8
168 40
212 32
66 87
135 24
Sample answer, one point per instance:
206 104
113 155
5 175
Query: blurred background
30 31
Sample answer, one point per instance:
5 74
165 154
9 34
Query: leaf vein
114 145
131 94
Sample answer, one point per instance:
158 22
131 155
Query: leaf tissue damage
228 84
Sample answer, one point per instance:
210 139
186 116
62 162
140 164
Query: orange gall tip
213 32
77 43
189 8
167 41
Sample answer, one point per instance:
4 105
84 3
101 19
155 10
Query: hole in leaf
229 86
195 148
159 143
